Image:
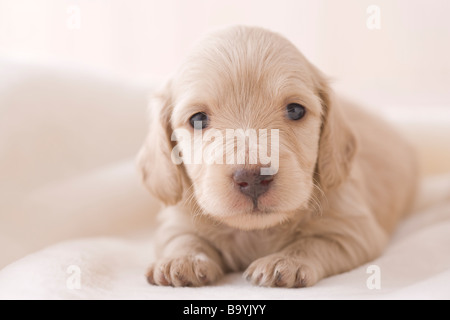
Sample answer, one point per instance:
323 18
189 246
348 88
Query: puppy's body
345 177
387 165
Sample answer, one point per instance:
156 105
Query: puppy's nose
251 182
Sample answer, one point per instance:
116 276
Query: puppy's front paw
187 271
280 270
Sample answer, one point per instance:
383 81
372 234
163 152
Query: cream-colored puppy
342 181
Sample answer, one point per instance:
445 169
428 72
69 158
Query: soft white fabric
416 265
65 135
67 142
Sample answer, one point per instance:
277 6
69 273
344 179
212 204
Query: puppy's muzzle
252 183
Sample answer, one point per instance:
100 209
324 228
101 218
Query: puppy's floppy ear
338 144
161 176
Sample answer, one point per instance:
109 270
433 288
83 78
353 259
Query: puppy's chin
253 221
247 218
239 212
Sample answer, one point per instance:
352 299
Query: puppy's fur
345 178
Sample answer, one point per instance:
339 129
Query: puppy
342 181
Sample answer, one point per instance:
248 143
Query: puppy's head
246 132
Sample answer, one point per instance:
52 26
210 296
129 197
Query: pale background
73 100
406 60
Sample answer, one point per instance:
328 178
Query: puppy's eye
295 111
199 120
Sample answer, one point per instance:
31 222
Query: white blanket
70 194
416 265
